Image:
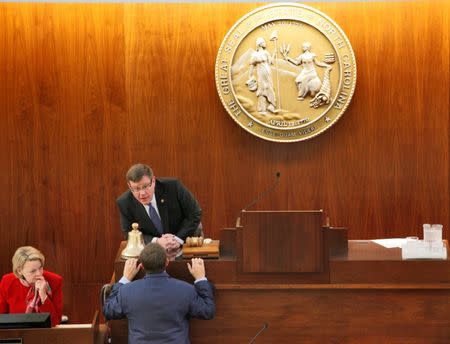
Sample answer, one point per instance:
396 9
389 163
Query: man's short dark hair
136 172
153 258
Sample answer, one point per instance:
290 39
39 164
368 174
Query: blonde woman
29 288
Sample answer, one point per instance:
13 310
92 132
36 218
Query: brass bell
135 243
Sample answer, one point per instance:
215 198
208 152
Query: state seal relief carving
291 74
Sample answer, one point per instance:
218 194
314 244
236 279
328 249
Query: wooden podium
281 241
293 246
311 285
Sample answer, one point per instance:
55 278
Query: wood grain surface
86 90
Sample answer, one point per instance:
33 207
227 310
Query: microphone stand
259 197
261 330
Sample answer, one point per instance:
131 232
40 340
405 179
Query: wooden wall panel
88 89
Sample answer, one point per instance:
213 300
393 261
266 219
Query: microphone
263 194
261 330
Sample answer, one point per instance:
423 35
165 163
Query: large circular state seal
285 72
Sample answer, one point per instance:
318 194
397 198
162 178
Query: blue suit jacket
158 308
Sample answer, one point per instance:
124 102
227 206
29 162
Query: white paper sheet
390 243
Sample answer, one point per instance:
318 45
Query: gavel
194 241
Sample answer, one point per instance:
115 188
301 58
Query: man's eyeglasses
138 189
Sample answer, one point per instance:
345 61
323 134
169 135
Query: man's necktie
155 218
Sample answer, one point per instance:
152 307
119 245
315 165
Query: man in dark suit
158 307
165 210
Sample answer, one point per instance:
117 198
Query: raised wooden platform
368 296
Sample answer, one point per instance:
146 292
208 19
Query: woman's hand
41 286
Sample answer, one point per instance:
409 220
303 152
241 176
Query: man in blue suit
158 307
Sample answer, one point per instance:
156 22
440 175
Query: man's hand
41 286
131 268
197 269
169 242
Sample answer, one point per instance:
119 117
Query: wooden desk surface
367 250
368 262
71 334
365 263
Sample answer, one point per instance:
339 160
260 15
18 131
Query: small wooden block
206 251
